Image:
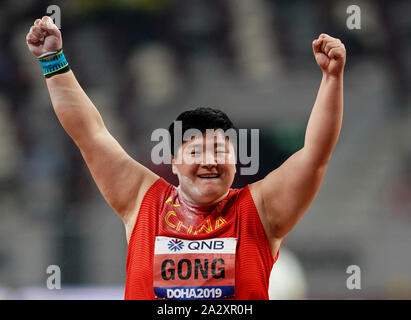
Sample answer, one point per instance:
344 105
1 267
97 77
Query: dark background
144 62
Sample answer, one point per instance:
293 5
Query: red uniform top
179 252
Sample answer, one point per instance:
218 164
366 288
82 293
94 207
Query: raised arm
284 195
121 180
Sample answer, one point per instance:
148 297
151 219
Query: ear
173 165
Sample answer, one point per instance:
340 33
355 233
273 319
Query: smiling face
205 167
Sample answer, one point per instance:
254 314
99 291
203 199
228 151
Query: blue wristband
54 63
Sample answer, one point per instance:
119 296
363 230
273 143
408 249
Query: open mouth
208 176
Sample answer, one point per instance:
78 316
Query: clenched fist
329 53
44 37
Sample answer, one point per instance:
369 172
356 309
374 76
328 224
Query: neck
195 206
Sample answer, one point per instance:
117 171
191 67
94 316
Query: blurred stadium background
142 63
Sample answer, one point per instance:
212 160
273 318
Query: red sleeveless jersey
177 252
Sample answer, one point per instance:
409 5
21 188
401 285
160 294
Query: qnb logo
175 245
201 245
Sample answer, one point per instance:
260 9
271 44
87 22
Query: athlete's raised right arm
121 180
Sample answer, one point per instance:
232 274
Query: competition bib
194 269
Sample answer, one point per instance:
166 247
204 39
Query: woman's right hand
44 37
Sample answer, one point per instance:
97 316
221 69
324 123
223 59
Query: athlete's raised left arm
284 195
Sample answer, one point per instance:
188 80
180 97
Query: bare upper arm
284 195
121 180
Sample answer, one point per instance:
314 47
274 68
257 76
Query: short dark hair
201 119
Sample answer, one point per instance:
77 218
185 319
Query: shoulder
256 193
251 194
157 193
242 197
152 195
244 200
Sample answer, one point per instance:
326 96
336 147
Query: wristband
53 63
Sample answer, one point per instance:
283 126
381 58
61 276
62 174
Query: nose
209 159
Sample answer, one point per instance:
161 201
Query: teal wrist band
54 63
